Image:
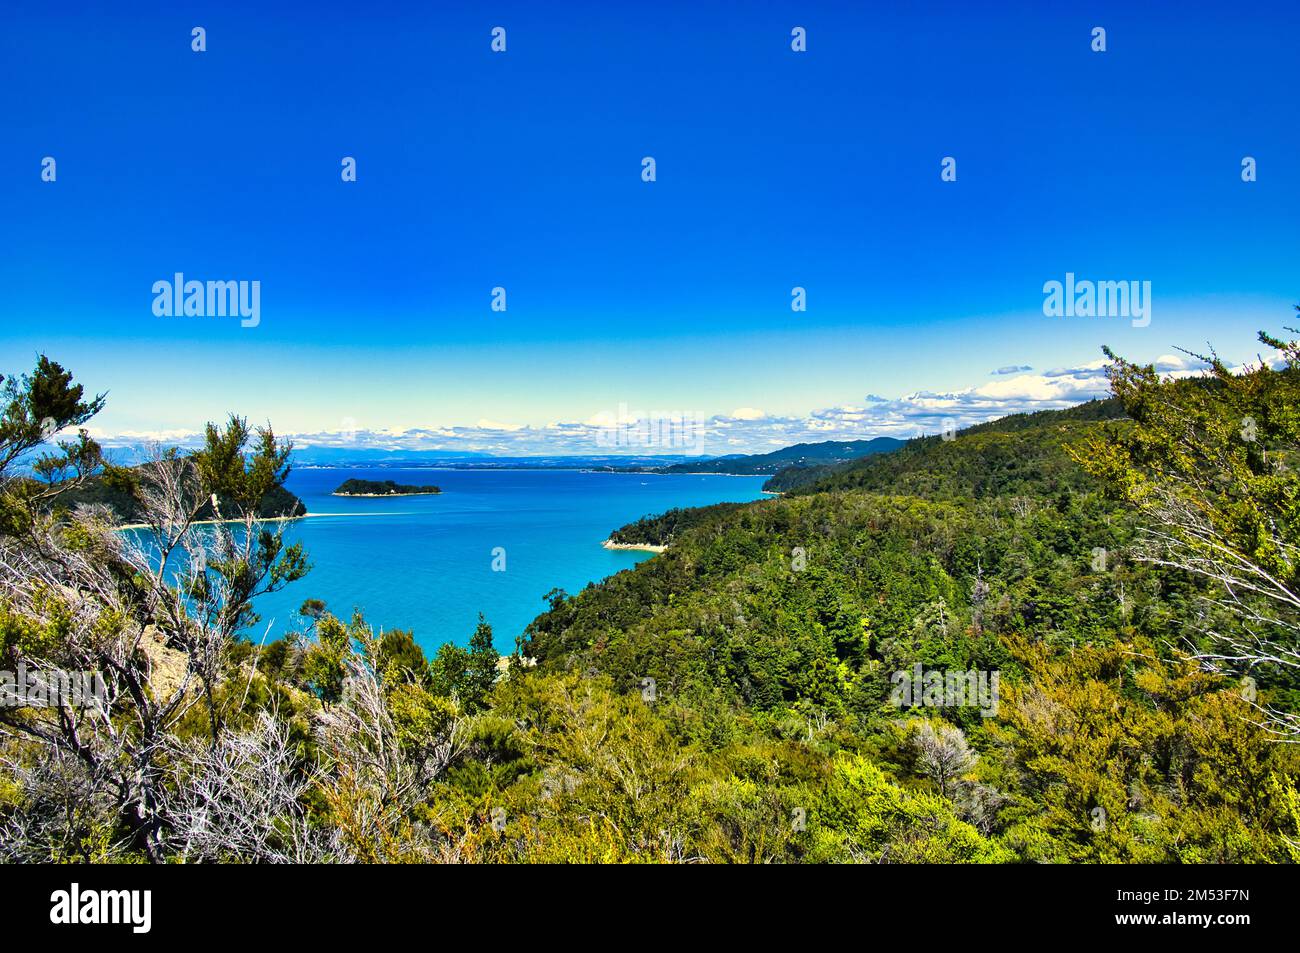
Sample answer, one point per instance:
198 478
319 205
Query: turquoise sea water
425 562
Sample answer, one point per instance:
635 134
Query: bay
425 563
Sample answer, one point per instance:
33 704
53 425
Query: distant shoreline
629 471
642 547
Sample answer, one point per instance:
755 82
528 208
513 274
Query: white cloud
745 429
143 436
1179 365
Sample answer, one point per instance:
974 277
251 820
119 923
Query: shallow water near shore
425 562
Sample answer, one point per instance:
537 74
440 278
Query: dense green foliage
660 529
1210 466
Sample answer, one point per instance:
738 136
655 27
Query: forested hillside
800 454
994 551
990 459
815 598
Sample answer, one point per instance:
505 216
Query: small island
381 488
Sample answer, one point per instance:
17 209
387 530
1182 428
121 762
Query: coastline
263 519
642 547
276 519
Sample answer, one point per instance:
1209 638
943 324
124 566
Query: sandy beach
265 519
643 547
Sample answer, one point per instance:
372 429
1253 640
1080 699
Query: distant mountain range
314 456
826 453
803 455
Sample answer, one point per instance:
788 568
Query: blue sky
522 169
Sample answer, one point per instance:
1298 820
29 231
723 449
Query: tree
1210 465
77 595
467 675
324 668
484 663
942 754
400 658
33 409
